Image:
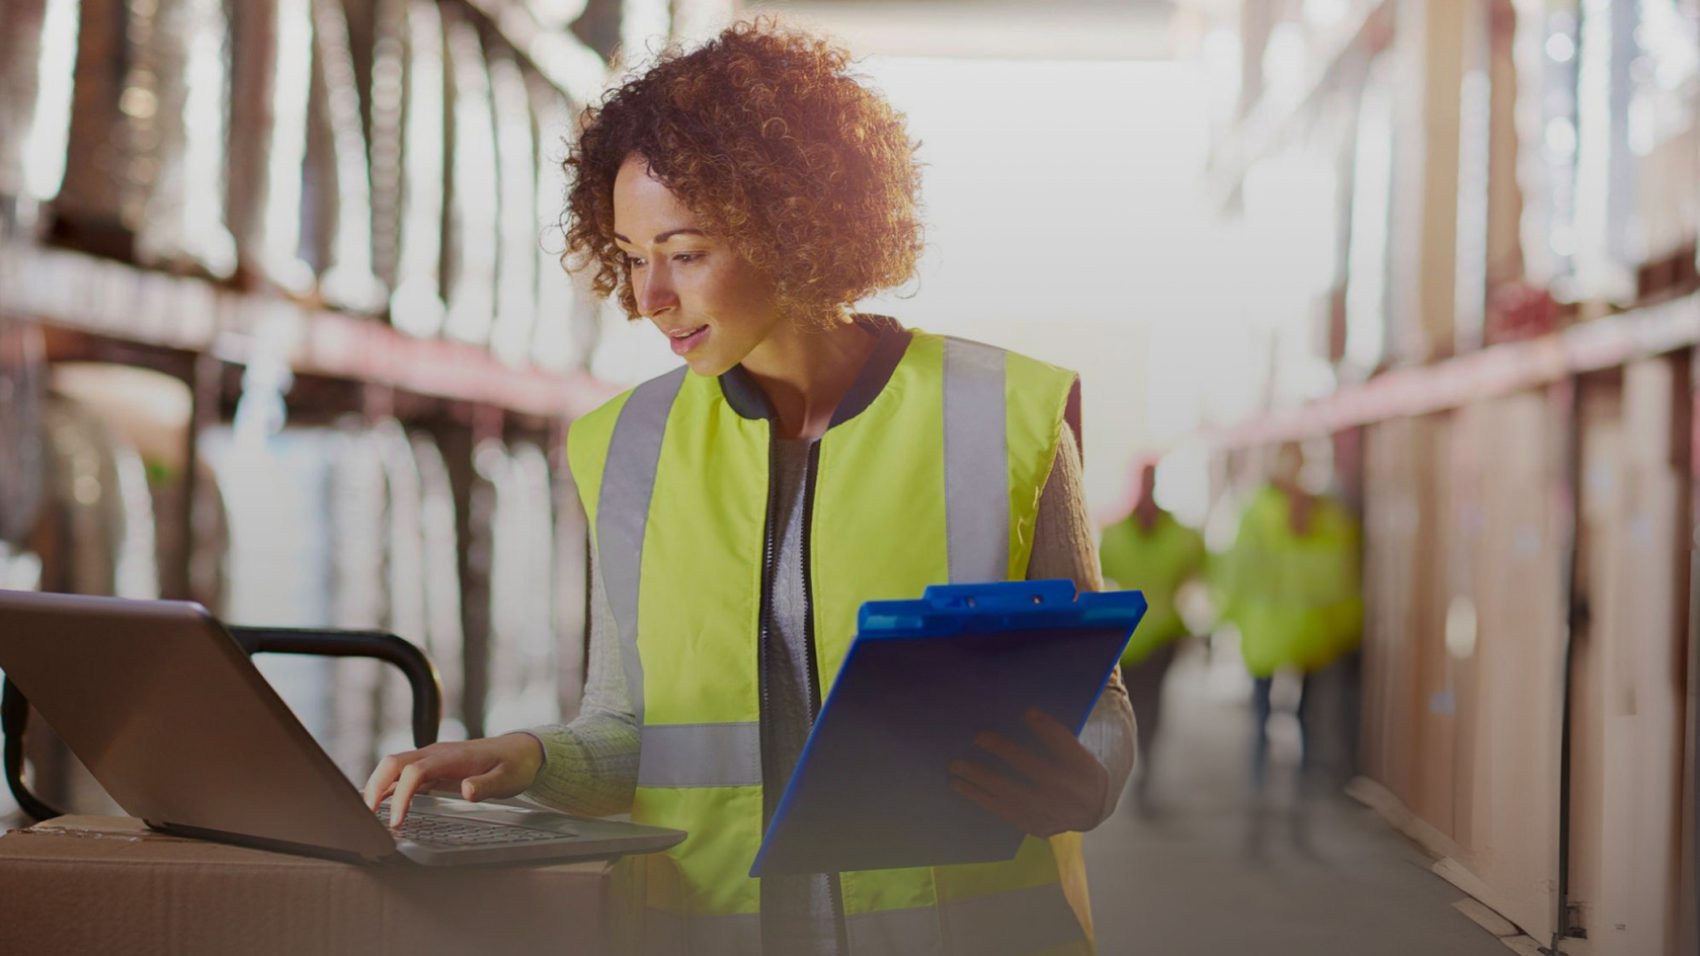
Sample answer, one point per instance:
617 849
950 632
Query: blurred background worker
1151 551
1291 586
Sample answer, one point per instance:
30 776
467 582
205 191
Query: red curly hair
765 135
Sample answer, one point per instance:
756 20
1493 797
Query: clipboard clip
1001 595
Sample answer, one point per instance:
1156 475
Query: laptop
182 730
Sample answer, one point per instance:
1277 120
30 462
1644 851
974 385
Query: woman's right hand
485 769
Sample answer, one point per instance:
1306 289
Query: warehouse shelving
1499 370
130 306
1260 131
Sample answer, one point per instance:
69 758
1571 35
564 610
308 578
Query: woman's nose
655 292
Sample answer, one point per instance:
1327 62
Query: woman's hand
1053 792
485 769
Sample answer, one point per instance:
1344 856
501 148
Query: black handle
411 661
14 717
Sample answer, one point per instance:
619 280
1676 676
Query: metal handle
410 660
14 716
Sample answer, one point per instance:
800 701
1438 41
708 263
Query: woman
740 198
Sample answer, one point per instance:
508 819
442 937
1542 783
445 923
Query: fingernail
984 740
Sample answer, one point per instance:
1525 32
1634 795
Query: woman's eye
632 263
687 257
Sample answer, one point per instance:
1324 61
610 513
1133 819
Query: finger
998 785
413 776
383 777
1057 739
487 784
1016 815
1019 758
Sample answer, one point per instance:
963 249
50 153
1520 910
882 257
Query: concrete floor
1190 881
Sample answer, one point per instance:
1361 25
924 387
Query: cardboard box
109 885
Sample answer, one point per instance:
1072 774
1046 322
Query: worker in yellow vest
1152 552
741 508
1291 585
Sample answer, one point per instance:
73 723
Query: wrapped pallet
445 636
274 64
282 562
23 453
558 342
473 235
358 498
522 689
416 306
97 199
516 278
38 47
183 78
386 98
346 278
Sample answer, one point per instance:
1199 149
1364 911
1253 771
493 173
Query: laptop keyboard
447 831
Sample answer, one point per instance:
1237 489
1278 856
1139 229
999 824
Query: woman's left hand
1058 790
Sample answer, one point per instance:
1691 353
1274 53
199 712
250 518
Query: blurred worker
1291 585
1150 551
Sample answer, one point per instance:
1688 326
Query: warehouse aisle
1189 882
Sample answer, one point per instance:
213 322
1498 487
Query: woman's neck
805 373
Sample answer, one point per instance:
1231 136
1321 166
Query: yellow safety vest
1296 599
936 479
1156 562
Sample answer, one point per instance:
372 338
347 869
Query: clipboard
871 789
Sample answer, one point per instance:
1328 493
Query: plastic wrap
522 637
473 236
556 340
385 100
516 277
288 88
96 197
417 306
179 89
445 636
23 452
346 279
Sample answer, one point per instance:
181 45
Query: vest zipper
765 611
835 888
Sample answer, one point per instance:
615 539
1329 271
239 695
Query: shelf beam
1479 376
127 305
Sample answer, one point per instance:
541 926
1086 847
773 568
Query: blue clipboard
872 789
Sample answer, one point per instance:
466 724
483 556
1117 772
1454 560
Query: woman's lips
683 344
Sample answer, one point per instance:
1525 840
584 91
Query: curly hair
769 139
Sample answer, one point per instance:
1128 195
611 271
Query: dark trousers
1144 682
1261 711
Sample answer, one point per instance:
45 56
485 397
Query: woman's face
713 306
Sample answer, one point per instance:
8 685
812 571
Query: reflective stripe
700 755
673 934
976 464
908 932
622 511
1028 920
